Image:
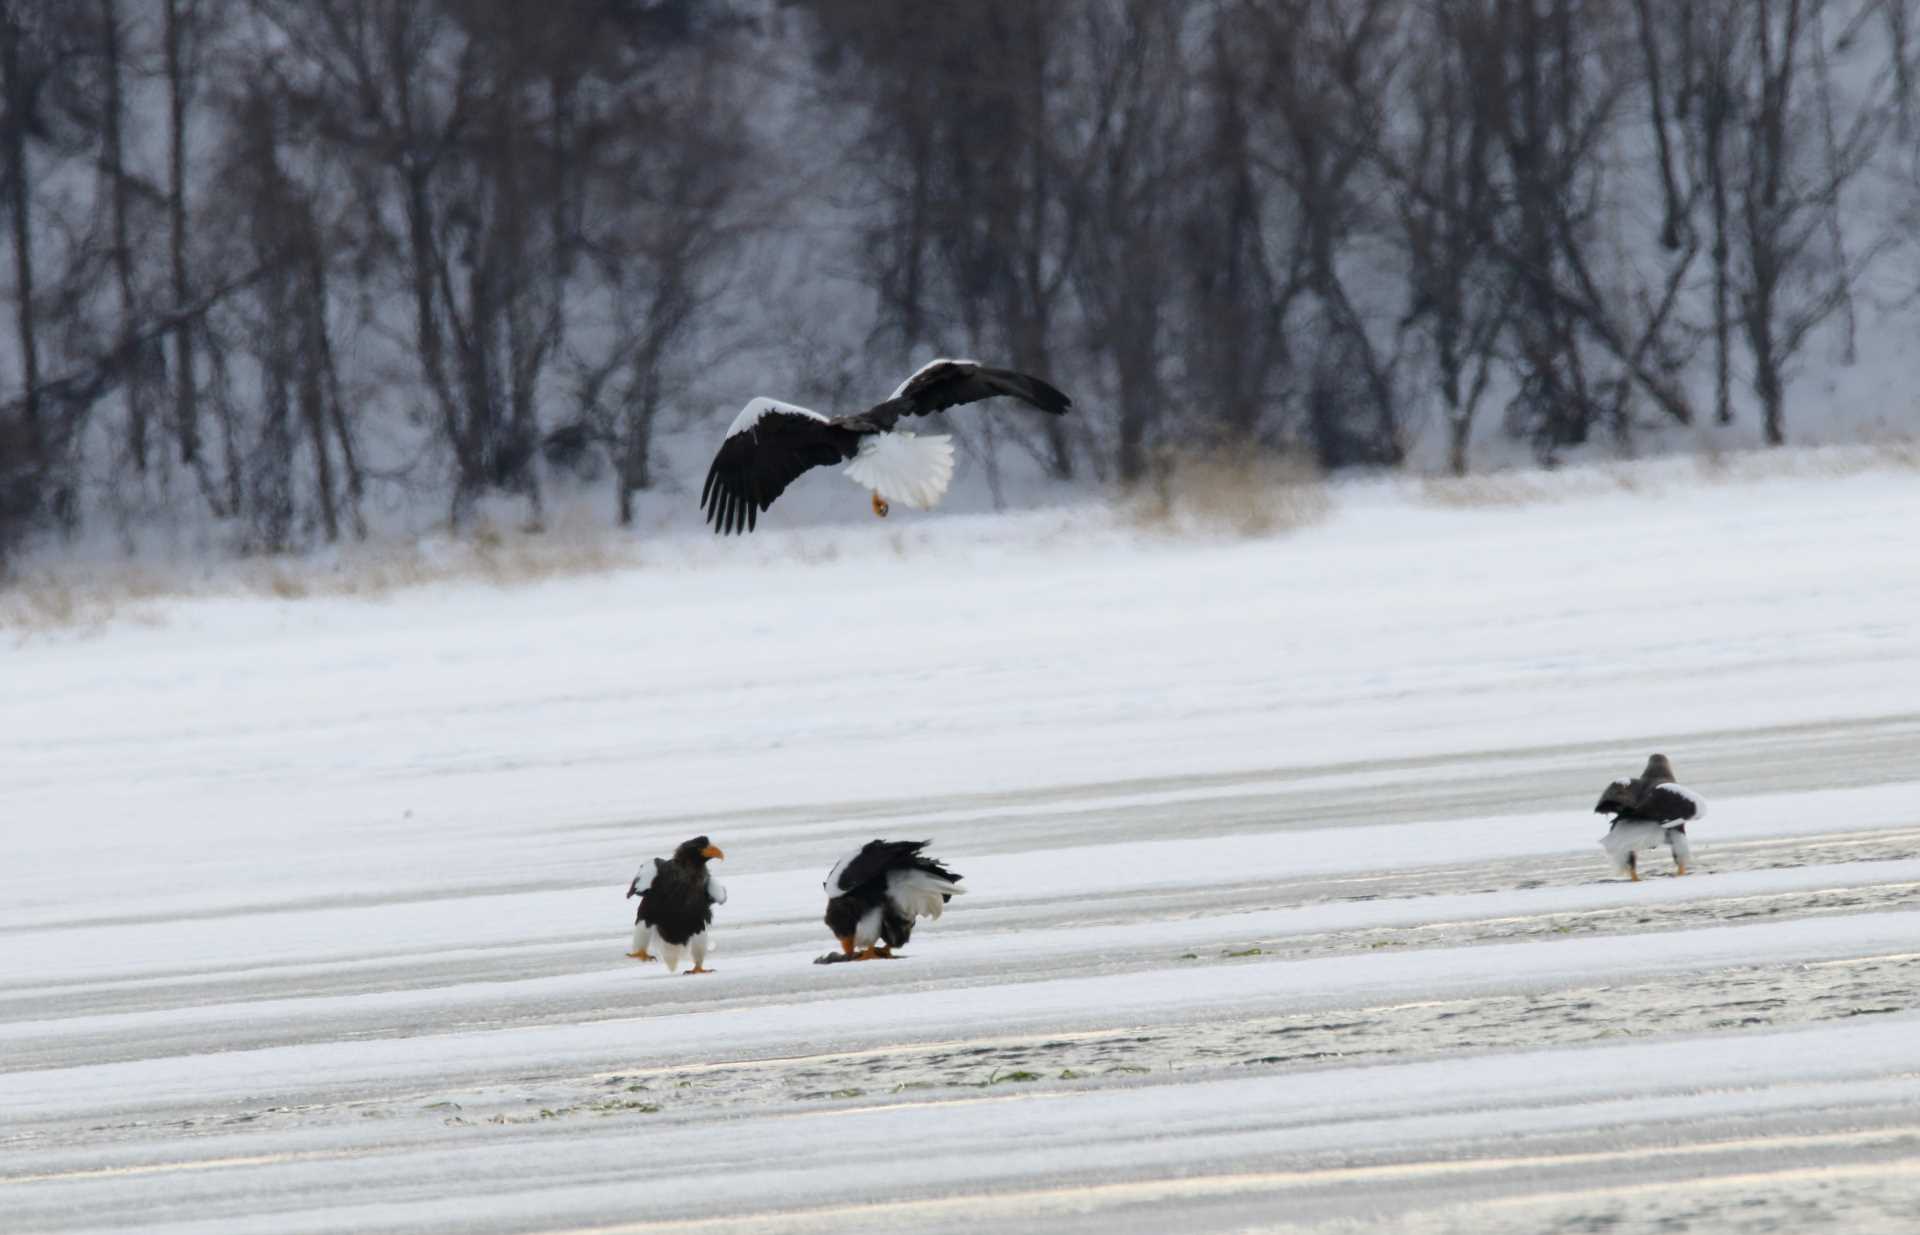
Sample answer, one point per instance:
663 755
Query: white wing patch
902 387
832 881
644 877
901 467
1688 796
920 894
759 406
716 891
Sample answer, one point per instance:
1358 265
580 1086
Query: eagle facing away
1649 811
771 443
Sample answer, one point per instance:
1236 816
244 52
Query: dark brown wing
949 383
1618 798
1669 804
757 462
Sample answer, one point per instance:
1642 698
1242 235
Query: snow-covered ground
1286 906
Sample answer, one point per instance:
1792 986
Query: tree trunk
186 394
335 402
313 412
20 207
114 140
633 471
1715 126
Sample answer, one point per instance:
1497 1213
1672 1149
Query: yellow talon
880 506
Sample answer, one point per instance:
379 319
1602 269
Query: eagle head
697 852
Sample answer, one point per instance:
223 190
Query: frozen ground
1287 913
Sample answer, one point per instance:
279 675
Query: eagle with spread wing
875 894
771 443
1649 811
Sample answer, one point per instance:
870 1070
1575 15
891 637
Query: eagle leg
880 506
697 969
641 955
877 952
846 944
1679 867
1633 866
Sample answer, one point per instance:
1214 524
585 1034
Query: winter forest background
289 270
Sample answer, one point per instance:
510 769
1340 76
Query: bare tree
1448 195
22 75
1800 158
664 196
1126 270
1323 98
968 243
1239 283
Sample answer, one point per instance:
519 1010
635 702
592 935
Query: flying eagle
770 443
1647 813
875 893
677 896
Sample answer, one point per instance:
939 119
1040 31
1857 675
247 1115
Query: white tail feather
920 894
901 467
1623 838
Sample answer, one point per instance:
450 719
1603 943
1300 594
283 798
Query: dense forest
284 264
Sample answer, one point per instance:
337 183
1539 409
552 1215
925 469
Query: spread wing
1618 797
942 384
872 861
1671 803
768 447
914 882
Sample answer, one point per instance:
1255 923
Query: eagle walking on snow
1648 812
677 896
771 443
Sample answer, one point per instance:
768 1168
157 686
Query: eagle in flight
771 443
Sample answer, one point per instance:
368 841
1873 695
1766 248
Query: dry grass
1219 494
1525 488
82 596
1666 474
1240 493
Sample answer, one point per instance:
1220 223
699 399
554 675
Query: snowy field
1286 909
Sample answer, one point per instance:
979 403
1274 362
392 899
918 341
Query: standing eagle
677 896
1647 813
770 443
875 893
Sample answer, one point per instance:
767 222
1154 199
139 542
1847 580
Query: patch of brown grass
68 596
1240 493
